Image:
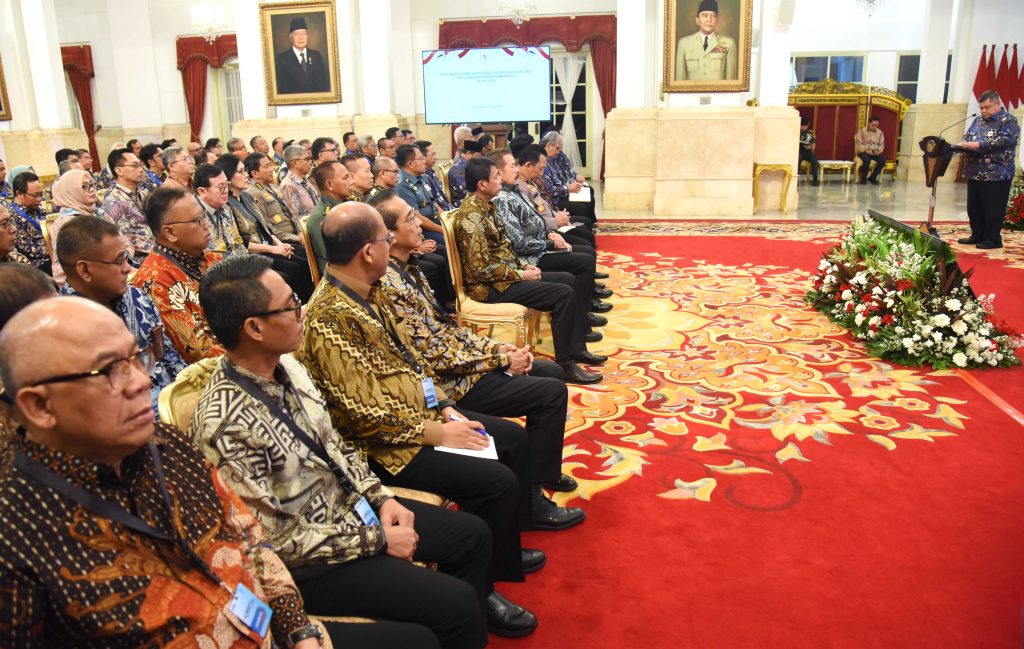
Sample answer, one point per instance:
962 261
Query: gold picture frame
287 80
725 65
5 104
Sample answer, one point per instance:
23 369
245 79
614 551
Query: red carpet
752 479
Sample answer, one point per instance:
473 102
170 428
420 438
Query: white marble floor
835 200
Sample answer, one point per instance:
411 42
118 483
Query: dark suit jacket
291 79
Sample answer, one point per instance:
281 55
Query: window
909 71
225 98
846 68
76 112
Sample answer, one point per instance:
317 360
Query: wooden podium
937 154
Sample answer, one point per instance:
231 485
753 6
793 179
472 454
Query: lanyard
155 178
25 215
314 446
418 285
403 350
115 512
177 263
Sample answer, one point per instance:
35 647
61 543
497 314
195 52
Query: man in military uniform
385 175
706 55
457 174
807 149
430 178
412 189
273 210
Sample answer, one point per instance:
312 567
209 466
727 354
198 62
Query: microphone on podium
955 123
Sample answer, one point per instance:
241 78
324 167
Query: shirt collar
298 52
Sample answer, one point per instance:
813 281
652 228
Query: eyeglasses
125 257
8 224
220 187
197 220
413 217
88 187
39 195
117 371
133 165
296 307
388 171
390 239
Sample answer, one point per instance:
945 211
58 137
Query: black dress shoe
862 181
597 306
988 245
593 337
599 285
602 293
967 240
533 560
815 183
565 484
590 358
596 320
600 275
507 619
576 374
873 181
549 516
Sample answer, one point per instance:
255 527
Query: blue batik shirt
142 319
558 175
457 181
995 159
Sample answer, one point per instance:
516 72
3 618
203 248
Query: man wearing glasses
97 262
27 219
123 204
180 167
324 149
172 272
298 193
385 175
117 531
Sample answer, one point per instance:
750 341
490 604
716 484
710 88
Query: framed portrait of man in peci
707 45
300 52
5 104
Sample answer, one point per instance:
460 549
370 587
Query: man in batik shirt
27 220
123 203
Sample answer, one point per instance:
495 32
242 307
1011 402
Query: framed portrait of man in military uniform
300 52
707 45
5 105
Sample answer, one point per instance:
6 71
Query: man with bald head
334 181
116 530
380 397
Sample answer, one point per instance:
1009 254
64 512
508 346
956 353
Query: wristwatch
304 633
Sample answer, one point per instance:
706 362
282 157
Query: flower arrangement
1014 219
905 297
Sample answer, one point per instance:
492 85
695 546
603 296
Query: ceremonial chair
314 267
473 314
46 227
444 169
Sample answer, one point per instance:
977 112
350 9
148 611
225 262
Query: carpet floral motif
722 382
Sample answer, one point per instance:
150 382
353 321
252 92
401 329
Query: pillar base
36 147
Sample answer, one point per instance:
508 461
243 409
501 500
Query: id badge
366 512
252 611
429 392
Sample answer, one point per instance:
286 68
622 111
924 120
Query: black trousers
543 401
295 271
582 266
497 492
580 236
435 268
986 208
866 158
576 208
552 293
808 155
415 606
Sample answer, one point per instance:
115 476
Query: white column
633 63
934 51
42 47
775 51
376 56
134 65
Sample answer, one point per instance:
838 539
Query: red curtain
77 60
603 56
194 54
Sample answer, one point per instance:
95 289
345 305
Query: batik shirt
558 175
150 181
525 228
457 181
374 396
308 514
226 239
171 280
870 142
413 191
431 180
456 356
104 179
142 319
123 208
487 257
72 578
28 239
995 159
6 193
298 194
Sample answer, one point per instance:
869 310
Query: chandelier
518 11
869 6
208 21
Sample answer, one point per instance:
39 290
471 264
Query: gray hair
235 143
168 155
462 134
63 167
551 137
293 152
379 164
366 140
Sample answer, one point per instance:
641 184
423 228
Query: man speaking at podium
991 145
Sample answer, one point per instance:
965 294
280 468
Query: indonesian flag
980 81
1016 82
1002 84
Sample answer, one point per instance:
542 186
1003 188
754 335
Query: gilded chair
314 267
443 170
474 314
46 227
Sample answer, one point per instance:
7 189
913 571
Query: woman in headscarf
16 171
75 193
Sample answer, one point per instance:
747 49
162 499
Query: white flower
874 320
960 359
959 327
953 304
900 330
926 330
846 294
937 336
823 265
859 319
940 320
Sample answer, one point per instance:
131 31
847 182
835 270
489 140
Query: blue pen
454 418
